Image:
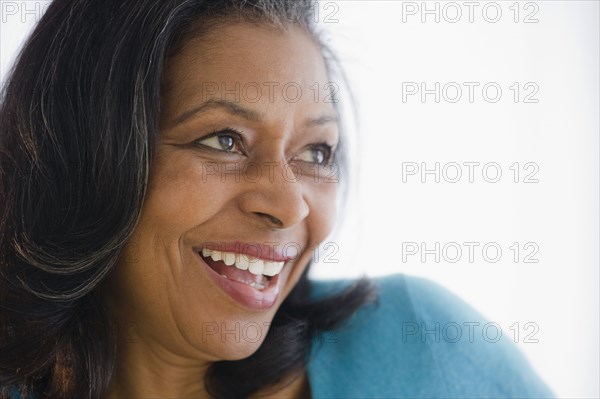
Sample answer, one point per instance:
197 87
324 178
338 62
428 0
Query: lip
243 294
252 249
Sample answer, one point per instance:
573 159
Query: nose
274 199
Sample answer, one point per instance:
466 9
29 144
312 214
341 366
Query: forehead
239 60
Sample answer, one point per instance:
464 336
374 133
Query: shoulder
422 341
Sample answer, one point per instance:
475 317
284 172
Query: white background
381 45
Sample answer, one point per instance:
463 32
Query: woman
166 174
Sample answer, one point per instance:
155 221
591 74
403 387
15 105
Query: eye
227 140
319 154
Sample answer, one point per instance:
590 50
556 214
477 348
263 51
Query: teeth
272 268
216 256
229 258
244 262
257 285
257 267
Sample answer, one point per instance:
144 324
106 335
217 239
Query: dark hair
78 127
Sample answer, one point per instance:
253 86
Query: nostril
270 218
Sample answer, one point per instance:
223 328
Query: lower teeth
257 286
252 284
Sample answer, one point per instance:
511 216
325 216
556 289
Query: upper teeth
244 262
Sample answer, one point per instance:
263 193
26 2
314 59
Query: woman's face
246 128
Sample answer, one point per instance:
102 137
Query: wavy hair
79 121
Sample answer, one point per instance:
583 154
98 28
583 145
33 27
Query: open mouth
255 272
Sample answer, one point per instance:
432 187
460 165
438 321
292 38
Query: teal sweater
408 346
419 341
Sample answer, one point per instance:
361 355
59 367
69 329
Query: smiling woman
165 178
211 239
125 218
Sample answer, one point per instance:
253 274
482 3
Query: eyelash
230 131
328 149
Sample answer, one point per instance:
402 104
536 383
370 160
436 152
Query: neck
144 372
147 370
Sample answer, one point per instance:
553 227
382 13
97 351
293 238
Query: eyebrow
246 113
228 106
323 120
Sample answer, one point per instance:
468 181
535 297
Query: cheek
181 194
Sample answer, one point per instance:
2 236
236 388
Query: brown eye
221 141
319 154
